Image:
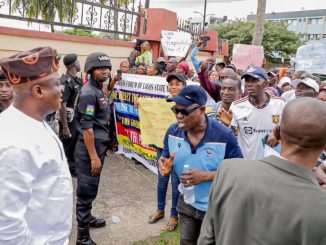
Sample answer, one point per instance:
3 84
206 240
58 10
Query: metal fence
186 26
109 16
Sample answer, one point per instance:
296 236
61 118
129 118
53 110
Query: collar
94 82
291 168
264 105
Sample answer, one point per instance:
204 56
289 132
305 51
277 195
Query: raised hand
166 164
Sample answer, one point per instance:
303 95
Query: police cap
69 59
96 60
2 76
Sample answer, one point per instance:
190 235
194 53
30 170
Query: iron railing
123 20
186 26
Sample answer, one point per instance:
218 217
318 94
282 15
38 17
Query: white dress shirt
36 187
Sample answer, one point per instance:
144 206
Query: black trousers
190 221
69 145
87 184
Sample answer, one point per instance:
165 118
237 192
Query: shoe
156 216
97 223
83 237
172 224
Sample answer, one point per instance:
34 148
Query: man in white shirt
256 115
36 187
306 87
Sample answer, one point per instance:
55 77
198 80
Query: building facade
309 23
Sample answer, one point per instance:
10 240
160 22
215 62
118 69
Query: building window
324 36
309 21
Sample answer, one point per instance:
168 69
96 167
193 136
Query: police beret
2 76
30 66
69 59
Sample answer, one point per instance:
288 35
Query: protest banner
311 57
156 117
175 43
244 56
126 92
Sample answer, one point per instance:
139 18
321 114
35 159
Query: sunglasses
184 112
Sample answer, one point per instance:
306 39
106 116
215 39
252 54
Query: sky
234 8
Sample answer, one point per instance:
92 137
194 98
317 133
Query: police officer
70 88
92 123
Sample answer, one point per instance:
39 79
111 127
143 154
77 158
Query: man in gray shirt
276 200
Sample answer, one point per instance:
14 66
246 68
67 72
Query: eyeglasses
184 112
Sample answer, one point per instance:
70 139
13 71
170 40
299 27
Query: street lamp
204 17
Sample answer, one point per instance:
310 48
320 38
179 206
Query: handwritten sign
175 43
244 56
311 57
155 118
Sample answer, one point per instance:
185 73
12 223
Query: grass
165 238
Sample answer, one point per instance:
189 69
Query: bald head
227 73
306 128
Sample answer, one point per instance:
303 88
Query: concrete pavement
127 191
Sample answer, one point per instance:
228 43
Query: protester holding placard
175 83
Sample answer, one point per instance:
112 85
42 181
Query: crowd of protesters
250 200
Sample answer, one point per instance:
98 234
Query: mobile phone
119 72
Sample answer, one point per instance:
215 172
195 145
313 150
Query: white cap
283 81
307 81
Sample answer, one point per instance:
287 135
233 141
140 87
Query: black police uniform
92 112
70 87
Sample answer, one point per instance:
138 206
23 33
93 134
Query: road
127 191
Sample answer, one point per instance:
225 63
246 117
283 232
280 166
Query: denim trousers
162 187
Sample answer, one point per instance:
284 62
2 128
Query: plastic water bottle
188 191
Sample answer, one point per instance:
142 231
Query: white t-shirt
36 187
288 95
255 123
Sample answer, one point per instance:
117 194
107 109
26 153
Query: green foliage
79 32
276 37
165 238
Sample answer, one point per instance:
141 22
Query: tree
260 21
47 9
276 40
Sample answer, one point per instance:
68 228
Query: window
309 21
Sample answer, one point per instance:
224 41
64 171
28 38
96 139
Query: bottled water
188 191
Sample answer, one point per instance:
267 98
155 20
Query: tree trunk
260 21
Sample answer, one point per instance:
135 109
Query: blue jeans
162 187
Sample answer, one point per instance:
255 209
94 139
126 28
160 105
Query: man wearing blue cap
256 115
202 143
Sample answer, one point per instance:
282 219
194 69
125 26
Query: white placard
175 43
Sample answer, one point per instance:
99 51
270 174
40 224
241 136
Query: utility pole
146 4
260 22
204 18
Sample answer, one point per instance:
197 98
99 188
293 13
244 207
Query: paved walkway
128 191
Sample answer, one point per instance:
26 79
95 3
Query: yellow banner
155 118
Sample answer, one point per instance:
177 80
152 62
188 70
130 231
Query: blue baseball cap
255 72
190 95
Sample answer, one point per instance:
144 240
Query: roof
292 15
